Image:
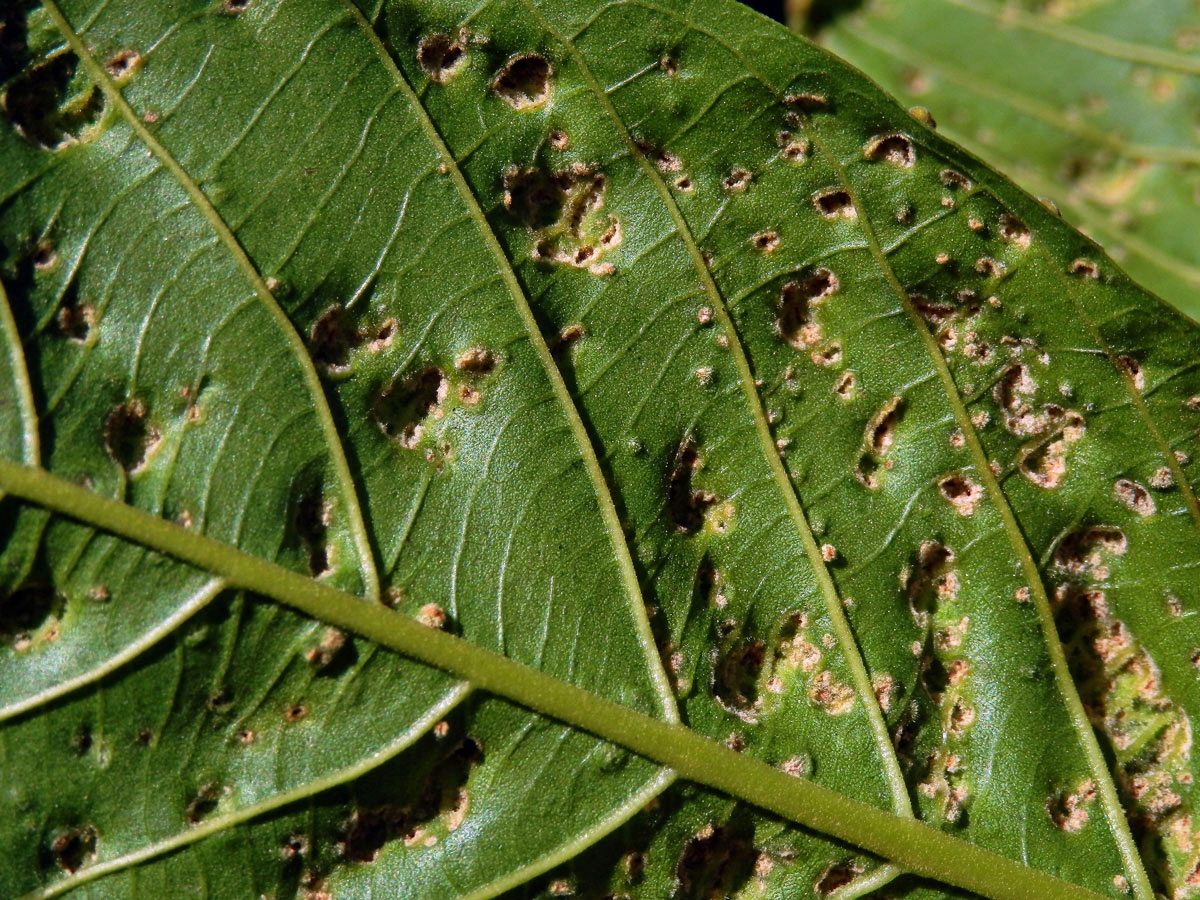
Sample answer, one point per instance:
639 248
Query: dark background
774 10
819 11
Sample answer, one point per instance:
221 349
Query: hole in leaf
837 875
525 82
835 204
1085 549
440 57
896 149
203 804
736 675
128 437
72 848
312 523
686 505
28 610
793 315
55 104
715 862
960 492
404 407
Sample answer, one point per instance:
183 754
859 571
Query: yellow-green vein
901 801
604 500
355 522
218 823
16 361
1029 568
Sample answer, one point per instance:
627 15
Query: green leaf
587 448
1087 103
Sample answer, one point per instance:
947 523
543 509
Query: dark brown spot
1084 268
54 104
128 437
567 338
1134 496
737 180
440 57
932 311
793 313
835 204
404 407
73 848
1015 231
896 149
525 82
1133 370
476 361
807 101
686 505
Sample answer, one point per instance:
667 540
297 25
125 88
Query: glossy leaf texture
640 342
1088 104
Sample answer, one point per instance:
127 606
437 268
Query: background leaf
641 343
1089 104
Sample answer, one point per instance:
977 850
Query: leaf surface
653 354
1086 103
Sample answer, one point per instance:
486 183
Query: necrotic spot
835 204
440 57
525 82
128 437
402 408
55 104
896 149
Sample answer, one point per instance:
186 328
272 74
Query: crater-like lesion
565 215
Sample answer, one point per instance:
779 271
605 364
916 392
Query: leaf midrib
911 844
